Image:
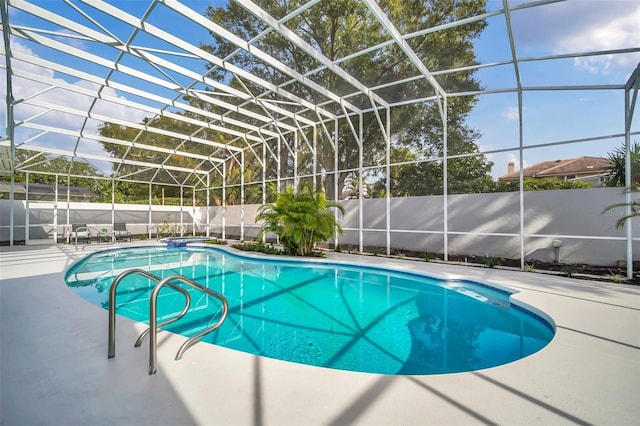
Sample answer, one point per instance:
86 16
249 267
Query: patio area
54 367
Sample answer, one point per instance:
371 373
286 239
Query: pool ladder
152 331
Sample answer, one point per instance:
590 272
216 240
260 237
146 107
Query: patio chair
120 231
80 233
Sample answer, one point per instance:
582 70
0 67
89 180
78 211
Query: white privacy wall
478 224
48 220
481 225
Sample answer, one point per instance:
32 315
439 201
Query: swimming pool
324 314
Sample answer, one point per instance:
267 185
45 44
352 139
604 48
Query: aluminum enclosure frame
263 124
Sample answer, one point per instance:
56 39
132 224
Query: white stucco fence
480 225
477 224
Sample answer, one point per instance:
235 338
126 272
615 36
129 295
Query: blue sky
553 116
549 116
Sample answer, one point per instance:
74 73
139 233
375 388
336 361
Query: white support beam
630 96
34 60
99 138
355 133
441 27
516 69
315 54
89 156
181 44
61 21
157 60
164 132
4 14
222 32
402 43
327 133
147 78
253 151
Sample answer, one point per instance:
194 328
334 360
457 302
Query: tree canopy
161 194
341 27
337 29
80 174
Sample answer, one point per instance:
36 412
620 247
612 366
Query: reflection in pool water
323 314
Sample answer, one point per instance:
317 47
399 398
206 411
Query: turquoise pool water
318 313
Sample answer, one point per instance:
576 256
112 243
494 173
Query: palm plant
635 210
617 176
300 219
616 171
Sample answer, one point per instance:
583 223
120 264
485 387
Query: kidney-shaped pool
334 315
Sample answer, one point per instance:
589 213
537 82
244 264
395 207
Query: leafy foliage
540 184
617 177
569 270
466 175
616 172
216 241
300 219
161 194
339 28
82 174
634 206
257 247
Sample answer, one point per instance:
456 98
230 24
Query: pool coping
54 367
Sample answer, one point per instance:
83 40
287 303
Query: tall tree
338 28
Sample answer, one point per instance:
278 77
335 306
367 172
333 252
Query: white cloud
582 26
57 96
70 40
511 158
618 32
511 113
502 160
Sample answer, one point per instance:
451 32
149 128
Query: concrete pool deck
54 367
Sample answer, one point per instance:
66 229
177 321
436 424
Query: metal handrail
99 235
111 235
111 351
153 320
169 321
153 337
75 234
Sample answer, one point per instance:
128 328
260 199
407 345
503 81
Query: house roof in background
573 166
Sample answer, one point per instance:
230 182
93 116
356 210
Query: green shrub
257 247
490 262
300 219
216 241
569 270
616 278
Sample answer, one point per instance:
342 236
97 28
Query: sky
551 116
548 116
